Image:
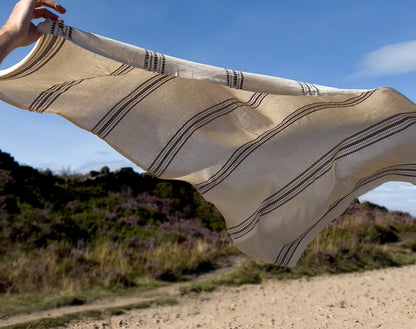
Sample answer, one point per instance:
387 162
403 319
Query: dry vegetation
67 234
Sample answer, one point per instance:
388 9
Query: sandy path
377 299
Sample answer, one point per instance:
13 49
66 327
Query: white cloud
393 59
394 196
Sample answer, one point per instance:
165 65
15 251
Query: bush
115 229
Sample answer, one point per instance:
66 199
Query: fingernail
61 9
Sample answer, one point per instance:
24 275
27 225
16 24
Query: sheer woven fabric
279 158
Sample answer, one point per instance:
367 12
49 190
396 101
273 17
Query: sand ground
376 299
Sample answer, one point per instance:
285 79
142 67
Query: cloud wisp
393 59
394 196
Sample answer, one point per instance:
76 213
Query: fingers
51 4
42 12
32 36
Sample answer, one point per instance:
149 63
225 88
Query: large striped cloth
279 158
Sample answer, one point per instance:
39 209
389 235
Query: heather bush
119 229
366 236
68 231
61 267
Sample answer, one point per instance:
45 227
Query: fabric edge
5 72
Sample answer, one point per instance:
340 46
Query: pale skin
19 30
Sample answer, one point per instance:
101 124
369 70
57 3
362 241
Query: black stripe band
165 157
245 150
368 137
405 170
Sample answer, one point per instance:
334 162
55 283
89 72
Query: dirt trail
376 299
170 291
97 305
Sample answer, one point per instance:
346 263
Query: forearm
19 31
7 42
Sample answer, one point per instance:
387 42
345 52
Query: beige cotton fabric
279 158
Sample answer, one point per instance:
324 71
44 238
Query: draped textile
278 158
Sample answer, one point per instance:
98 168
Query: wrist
8 41
9 37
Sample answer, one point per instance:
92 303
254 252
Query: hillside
121 229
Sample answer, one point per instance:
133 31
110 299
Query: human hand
19 29
20 20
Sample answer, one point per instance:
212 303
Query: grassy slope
69 237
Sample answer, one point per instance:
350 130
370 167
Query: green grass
121 233
143 305
366 237
57 322
240 276
14 304
354 244
64 320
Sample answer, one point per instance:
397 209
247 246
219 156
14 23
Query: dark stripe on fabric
146 60
103 122
405 170
154 62
61 30
312 90
53 25
122 70
272 203
302 88
46 98
104 127
46 50
308 93
316 91
235 79
308 89
61 27
49 53
49 96
245 150
168 153
353 144
163 68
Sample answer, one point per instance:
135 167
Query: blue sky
348 44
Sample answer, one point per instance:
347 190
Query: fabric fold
279 158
